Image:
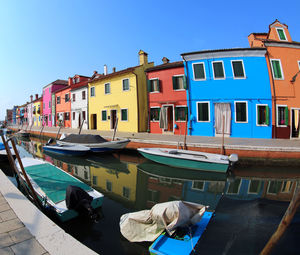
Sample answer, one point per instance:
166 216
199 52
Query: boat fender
233 158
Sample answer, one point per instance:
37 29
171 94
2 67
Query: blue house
230 87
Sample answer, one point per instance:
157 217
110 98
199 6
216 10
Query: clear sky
45 40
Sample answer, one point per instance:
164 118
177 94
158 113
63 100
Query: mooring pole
223 130
115 129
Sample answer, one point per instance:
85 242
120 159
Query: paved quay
24 230
244 147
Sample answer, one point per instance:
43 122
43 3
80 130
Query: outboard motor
50 141
79 200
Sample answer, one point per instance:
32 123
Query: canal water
248 202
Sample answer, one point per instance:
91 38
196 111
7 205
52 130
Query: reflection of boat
182 243
22 134
50 183
73 150
95 142
189 159
160 170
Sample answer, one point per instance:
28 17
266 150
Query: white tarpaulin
147 225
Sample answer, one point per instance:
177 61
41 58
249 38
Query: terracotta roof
61 89
79 85
60 82
222 50
165 66
281 42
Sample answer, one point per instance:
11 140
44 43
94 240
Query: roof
61 89
165 66
59 82
79 84
224 50
281 42
36 100
103 77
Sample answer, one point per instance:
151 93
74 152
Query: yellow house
37 112
120 97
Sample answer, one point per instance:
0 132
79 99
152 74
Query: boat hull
62 151
186 163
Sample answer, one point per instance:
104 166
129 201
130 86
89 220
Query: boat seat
173 152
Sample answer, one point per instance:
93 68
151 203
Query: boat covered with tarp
96 143
67 149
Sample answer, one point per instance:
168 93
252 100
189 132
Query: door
295 125
113 118
166 118
93 121
222 119
79 119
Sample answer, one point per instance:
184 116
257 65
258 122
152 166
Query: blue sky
42 41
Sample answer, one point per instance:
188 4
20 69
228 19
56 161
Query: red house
168 110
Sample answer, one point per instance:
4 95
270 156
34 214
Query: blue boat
73 150
171 245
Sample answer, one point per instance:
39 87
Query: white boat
96 143
50 183
189 159
67 149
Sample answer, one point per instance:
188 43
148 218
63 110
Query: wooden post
285 222
81 127
58 132
9 155
115 129
223 130
41 130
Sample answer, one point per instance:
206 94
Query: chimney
70 81
31 97
165 60
105 69
143 57
114 70
36 96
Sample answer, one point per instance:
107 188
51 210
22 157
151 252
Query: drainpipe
137 99
274 101
189 93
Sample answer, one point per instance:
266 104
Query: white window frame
178 107
193 188
212 65
93 87
203 70
239 188
277 107
243 122
249 184
201 121
102 115
153 92
280 28
257 115
121 114
108 83
178 75
128 84
157 107
237 60
280 79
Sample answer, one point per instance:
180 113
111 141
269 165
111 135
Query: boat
3 153
50 184
66 149
96 143
190 159
180 243
22 134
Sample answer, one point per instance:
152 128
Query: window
74 96
95 180
287 186
153 85
254 186
77 79
44 105
154 114
126 192
241 114
107 88
73 115
104 115
199 71
108 186
181 113
281 34
67 97
199 185
83 95
274 187
203 112
153 196
92 91
125 83
67 116
218 70
299 64
238 69
282 115
179 82
124 114
234 187
276 69
83 115
57 116
49 104
262 112
58 100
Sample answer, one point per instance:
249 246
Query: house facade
79 101
37 111
283 60
229 92
63 107
47 100
168 109
120 98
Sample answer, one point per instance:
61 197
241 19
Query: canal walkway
24 230
245 147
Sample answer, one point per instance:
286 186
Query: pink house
48 104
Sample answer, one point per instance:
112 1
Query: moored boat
3 153
96 143
189 159
50 184
73 150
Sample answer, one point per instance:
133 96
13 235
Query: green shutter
174 82
267 115
286 115
148 85
184 82
176 113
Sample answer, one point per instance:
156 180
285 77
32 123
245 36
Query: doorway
113 118
93 121
295 123
222 117
79 119
166 118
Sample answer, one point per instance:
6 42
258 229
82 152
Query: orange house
283 60
63 107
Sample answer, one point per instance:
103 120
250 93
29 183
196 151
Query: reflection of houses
82 172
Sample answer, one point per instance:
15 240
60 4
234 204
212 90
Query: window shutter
174 83
176 113
184 82
267 115
286 115
258 115
148 85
